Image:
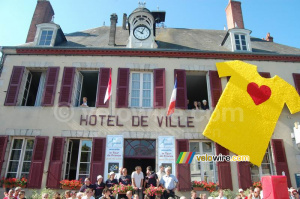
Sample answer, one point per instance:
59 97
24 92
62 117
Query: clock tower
141 25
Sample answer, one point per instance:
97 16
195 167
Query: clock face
141 32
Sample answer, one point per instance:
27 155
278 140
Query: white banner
113 154
297 134
166 152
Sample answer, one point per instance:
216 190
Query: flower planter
198 188
69 188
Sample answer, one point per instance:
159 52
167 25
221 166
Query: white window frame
78 157
40 36
141 89
45 26
239 32
195 163
21 158
41 87
271 164
240 42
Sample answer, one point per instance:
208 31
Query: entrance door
139 153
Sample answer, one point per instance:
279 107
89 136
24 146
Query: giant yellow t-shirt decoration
246 114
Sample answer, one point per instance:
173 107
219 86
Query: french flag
173 99
108 90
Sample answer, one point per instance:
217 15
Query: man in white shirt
137 178
170 183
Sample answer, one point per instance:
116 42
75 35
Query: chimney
269 38
124 21
43 14
113 28
234 15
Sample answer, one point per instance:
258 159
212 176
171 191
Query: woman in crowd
22 195
87 184
17 191
106 194
67 194
99 186
79 195
10 195
56 196
45 195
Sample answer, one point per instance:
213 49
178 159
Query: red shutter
50 86
280 159
3 144
37 162
215 87
55 163
159 97
297 81
183 170
244 175
98 158
14 86
224 170
67 86
122 88
265 74
102 86
181 96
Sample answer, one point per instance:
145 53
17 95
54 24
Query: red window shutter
37 162
98 158
215 87
67 86
122 88
181 96
224 170
183 170
3 144
102 86
244 175
50 86
297 81
159 97
265 74
14 86
280 159
55 163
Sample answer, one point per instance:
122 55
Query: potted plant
121 188
257 184
211 186
199 185
9 182
71 184
154 191
22 182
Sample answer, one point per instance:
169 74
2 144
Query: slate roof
171 39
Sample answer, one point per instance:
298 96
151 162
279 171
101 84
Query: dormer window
49 34
237 40
46 37
240 42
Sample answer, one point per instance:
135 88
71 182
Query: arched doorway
139 153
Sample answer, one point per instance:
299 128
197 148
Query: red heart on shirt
258 94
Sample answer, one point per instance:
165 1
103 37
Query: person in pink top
10 195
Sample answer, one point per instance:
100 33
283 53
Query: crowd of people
197 105
139 182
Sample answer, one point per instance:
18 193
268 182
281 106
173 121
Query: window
266 168
196 89
46 37
78 159
141 94
203 171
33 84
86 83
20 158
240 42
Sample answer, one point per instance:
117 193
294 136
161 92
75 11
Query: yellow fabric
240 125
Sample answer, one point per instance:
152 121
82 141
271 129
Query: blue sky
279 17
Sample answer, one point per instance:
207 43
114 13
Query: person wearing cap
87 184
242 194
204 105
111 181
137 178
17 191
161 172
99 186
